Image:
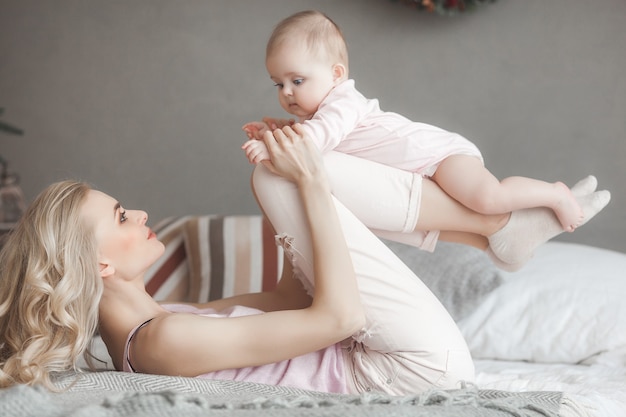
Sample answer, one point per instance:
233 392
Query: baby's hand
255 150
274 124
255 130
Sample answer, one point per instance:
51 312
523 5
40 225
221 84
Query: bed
548 340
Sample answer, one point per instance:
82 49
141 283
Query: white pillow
567 305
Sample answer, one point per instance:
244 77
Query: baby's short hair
319 32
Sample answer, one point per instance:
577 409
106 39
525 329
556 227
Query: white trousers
387 200
410 343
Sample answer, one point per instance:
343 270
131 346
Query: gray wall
145 98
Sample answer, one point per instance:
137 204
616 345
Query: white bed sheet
599 389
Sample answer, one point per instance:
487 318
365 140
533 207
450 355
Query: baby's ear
339 73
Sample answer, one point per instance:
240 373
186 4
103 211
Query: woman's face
126 246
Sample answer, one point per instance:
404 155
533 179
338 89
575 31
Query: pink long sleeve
338 115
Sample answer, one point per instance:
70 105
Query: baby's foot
567 209
505 266
529 228
582 188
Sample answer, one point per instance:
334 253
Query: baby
307 59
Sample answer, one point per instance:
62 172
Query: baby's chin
298 111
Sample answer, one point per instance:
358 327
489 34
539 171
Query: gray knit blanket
118 394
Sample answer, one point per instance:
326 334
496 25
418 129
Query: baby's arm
256 130
337 116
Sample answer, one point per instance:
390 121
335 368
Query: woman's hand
293 155
255 130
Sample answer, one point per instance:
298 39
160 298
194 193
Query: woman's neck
123 306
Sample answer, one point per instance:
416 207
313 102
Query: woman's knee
459 369
269 188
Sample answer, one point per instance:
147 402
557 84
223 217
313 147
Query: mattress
599 389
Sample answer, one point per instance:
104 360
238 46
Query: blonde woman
77 259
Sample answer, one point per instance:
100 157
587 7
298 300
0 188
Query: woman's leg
410 342
402 206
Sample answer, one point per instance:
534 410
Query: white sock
529 228
505 266
585 186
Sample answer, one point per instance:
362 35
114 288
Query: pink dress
319 371
349 123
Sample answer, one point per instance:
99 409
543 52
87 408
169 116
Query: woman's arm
191 345
336 290
289 294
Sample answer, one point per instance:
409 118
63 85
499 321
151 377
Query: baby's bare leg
467 180
438 211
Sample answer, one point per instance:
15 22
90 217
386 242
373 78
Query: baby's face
302 78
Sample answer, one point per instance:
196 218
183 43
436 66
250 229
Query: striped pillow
167 279
212 257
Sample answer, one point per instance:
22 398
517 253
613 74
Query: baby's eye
278 85
123 217
298 81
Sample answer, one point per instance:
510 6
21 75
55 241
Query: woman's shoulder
181 321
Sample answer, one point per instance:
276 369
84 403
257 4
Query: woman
77 260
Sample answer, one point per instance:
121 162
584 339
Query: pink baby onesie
348 122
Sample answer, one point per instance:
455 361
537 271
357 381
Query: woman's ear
106 269
339 73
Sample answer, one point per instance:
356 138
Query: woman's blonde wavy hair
49 288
